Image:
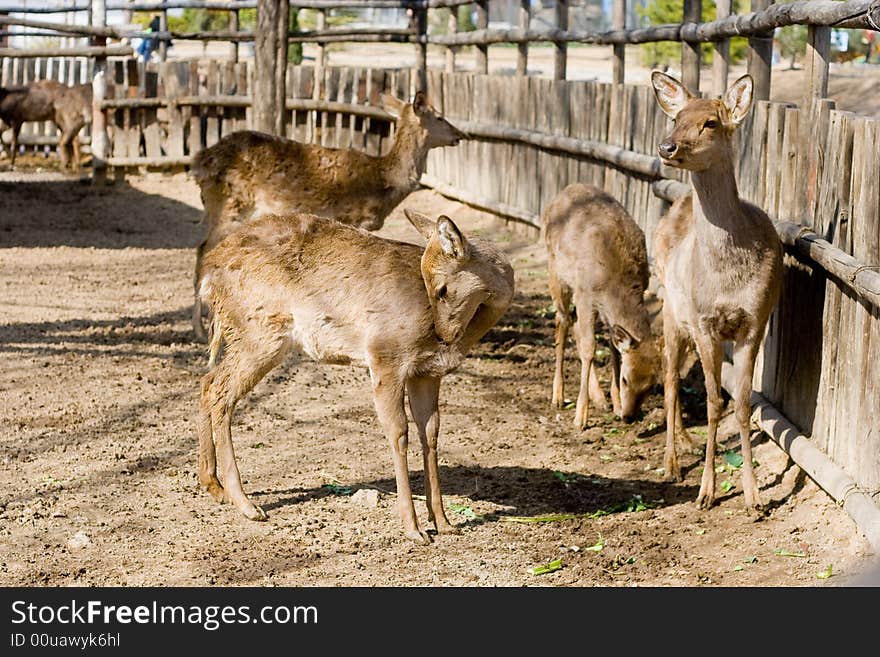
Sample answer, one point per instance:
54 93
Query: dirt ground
98 395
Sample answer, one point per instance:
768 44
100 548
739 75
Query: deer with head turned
47 100
596 256
341 294
724 277
247 174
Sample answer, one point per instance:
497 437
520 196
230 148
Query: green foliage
664 12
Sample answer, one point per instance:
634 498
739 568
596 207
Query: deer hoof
446 528
418 537
216 490
705 501
253 512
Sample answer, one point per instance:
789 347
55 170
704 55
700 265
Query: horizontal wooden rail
58 8
495 207
84 51
852 14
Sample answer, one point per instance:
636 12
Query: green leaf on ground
546 568
726 486
732 459
782 552
258 445
750 560
567 477
598 546
567 406
824 574
465 511
338 489
737 568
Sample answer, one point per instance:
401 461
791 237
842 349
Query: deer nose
667 149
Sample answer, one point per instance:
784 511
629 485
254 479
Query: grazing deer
597 257
47 100
247 174
341 294
723 279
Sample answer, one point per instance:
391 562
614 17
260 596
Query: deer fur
247 174
596 257
340 294
724 277
70 108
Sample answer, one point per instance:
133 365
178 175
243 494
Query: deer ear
671 94
452 241
392 104
622 339
421 222
738 98
420 102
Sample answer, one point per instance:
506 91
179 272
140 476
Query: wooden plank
194 138
813 153
174 142
790 207
775 128
211 114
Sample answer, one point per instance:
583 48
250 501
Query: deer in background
341 294
596 256
724 277
70 108
247 174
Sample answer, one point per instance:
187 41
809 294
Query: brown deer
596 256
247 174
341 294
722 281
47 100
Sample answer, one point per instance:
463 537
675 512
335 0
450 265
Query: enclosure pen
813 168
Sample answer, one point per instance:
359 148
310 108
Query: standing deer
247 174
47 100
725 276
596 255
341 294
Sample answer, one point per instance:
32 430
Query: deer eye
711 123
441 292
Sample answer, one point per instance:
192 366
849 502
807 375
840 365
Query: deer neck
718 212
403 166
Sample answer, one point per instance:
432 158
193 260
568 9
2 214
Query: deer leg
710 359
561 295
74 143
597 395
198 327
388 398
234 377
683 439
615 383
63 148
207 454
673 345
424 394
584 333
16 128
744 365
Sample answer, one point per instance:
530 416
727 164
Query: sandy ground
98 395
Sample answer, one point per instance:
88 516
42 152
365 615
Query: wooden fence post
320 24
690 52
482 7
818 51
233 25
721 56
452 24
525 18
98 17
619 23
163 43
265 60
761 56
281 65
561 47
420 22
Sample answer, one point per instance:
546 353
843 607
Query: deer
69 107
247 174
724 277
341 294
596 257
